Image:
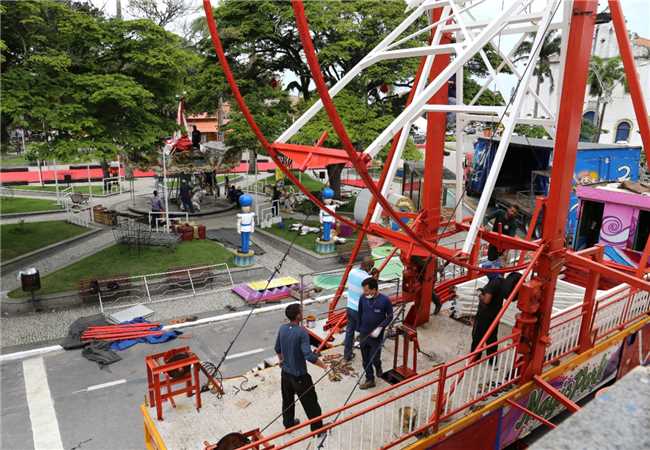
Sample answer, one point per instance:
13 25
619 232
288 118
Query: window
590 116
623 132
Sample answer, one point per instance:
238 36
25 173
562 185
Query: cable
276 270
354 388
395 316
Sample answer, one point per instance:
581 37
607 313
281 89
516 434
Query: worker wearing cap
353 293
245 222
293 350
326 219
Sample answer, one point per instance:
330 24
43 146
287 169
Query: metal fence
81 215
399 414
152 288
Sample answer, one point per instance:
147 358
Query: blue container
594 163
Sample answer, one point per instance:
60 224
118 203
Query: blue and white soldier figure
326 219
245 222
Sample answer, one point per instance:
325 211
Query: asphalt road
63 401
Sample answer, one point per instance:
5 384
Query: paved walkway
52 325
62 258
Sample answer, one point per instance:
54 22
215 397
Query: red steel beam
373 202
569 120
531 414
607 271
241 103
432 184
557 395
625 48
588 305
358 161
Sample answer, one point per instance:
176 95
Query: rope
354 388
276 270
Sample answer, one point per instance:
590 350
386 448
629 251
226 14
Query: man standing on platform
293 350
157 209
375 314
490 302
354 292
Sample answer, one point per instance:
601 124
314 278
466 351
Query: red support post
531 414
431 193
588 303
569 121
625 48
557 395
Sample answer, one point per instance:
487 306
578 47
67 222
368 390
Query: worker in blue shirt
375 313
353 294
293 350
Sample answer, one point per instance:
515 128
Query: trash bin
30 280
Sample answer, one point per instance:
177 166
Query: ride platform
257 402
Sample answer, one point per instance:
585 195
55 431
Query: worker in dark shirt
196 137
293 350
490 302
504 221
375 314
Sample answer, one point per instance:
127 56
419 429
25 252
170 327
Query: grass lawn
21 238
311 183
97 189
10 205
11 159
308 241
120 260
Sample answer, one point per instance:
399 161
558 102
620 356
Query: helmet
245 200
328 193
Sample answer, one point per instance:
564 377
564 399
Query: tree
344 32
550 50
588 131
91 86
261 43
161 12
604 75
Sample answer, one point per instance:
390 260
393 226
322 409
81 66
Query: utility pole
118 9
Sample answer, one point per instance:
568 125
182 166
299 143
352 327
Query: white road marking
242 354
28 353
176 326
105 385
45 427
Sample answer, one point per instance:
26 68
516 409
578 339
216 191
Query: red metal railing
612 313
402 411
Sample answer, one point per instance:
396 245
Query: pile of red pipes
121 332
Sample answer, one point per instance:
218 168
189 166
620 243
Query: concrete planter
307 257
20 261
71 299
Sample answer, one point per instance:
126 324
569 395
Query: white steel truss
470 38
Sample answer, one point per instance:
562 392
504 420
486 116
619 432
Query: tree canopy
90 85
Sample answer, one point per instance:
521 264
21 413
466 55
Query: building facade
619 123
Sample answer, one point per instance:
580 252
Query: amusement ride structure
541 345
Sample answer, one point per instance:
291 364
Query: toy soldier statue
245 222
326 219
327 243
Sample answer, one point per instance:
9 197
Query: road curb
206 320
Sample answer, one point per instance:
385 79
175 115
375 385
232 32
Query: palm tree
550 49
604 75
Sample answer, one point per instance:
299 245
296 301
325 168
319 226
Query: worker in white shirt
353 293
